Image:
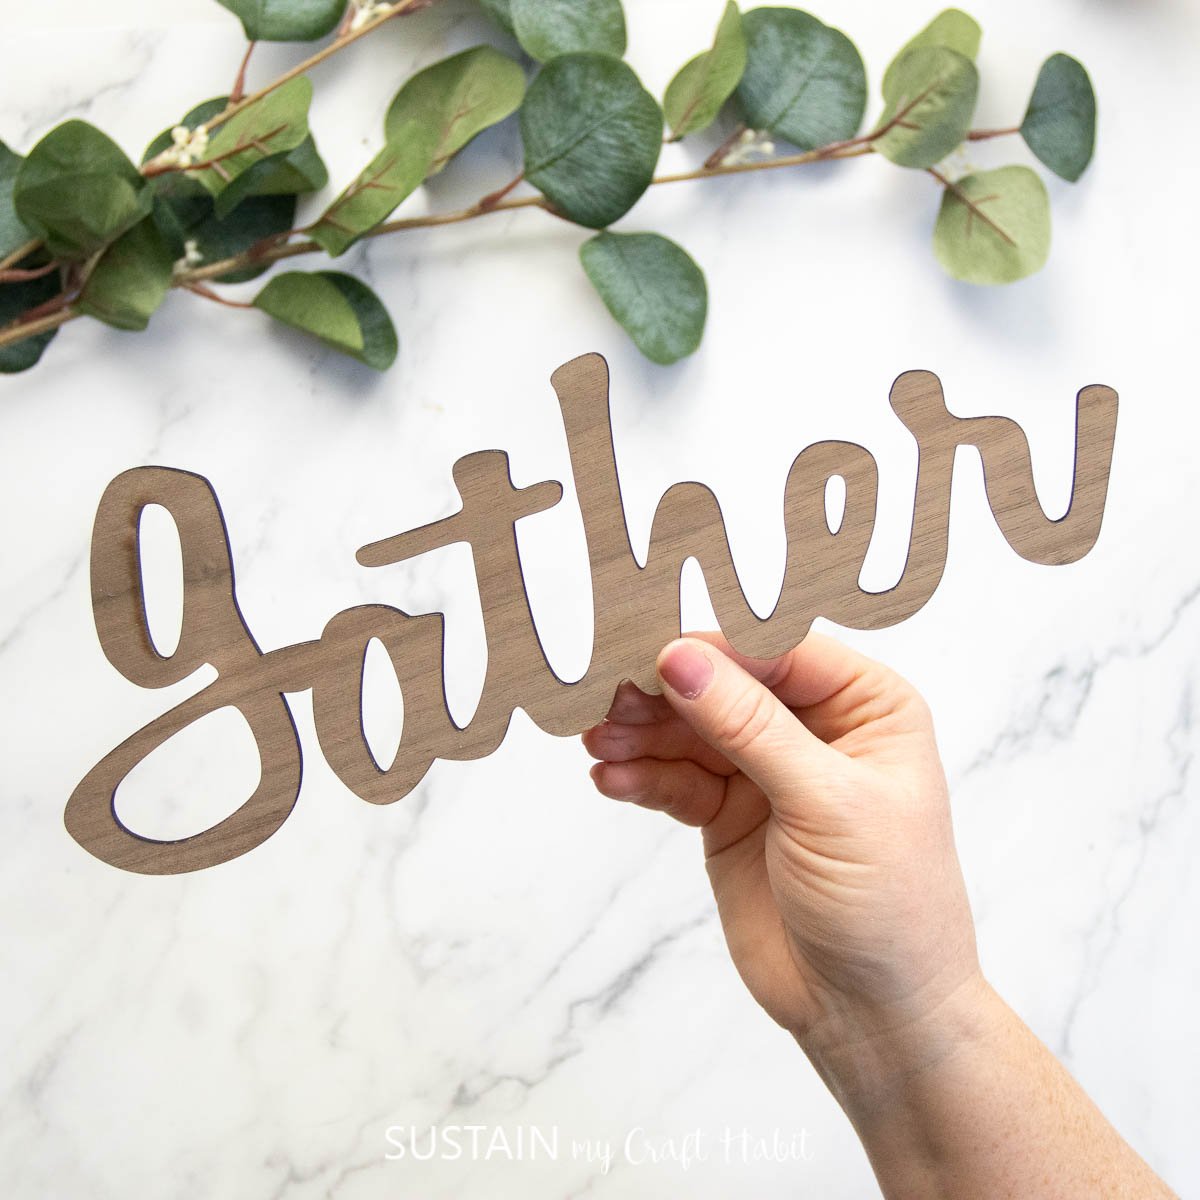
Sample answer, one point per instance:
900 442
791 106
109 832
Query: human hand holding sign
817 785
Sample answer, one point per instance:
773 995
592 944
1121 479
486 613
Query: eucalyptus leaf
337 308
286 20
653 288
77 190
592 137
933 89
179 206
951 28
287 174
392 175
299 170
804 81
17 299
994 226
501 12
1060 123
13 232
271 126
460 97
548 28
256 218
130 279
697 93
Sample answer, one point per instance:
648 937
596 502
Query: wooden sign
636 608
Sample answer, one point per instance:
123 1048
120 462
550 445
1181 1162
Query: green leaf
501 12
1002 235
1060 123
951 28
77 190
804 80
298 170
392 175
696 94
653 288
269 127
286 20
256 218
338 309
933 91
130 280
13 232
19 298
459 97
179 206
592 137
548 28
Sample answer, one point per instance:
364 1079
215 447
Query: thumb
743 719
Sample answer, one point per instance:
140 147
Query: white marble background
504 947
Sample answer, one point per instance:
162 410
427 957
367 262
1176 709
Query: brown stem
215 297
972 205
20 275
717 157
239 84
494 198
46 308
821 154
981 135
154 167
19 253
715 163
13 333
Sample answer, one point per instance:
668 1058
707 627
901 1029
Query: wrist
876 1061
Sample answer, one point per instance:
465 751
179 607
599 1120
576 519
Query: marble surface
504 948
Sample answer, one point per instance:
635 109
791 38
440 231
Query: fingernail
685 669
614 782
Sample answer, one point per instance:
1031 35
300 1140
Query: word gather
636 607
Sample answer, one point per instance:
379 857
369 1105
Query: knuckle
746 719
666 797
689 798
905 697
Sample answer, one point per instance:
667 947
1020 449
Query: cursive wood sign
636 607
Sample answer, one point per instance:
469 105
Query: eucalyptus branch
257 167
495 202
498 201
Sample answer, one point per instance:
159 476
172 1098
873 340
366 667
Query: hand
816 781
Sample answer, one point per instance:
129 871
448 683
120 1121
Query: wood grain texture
636 607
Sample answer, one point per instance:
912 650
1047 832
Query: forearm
970 1103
